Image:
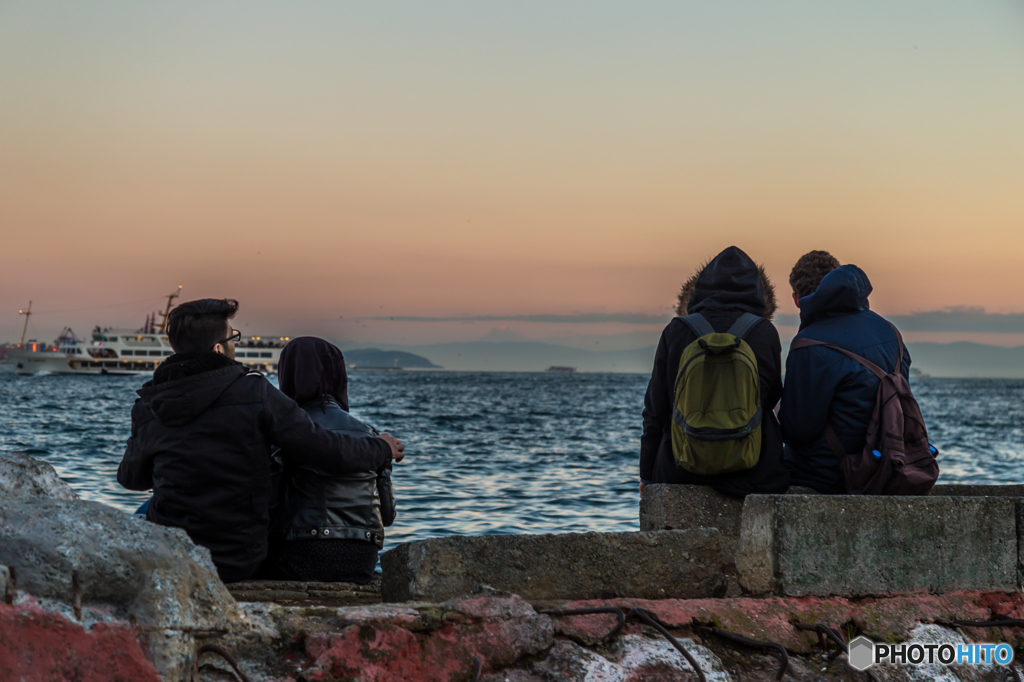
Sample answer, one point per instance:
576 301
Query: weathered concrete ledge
685 507
681 507
964 490
291 593
799 545
658 565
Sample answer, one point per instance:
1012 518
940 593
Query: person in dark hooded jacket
824 387
730 285
201 436
328 528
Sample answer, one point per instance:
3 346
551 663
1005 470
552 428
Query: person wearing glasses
202 432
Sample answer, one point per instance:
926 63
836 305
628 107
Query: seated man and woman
202 434
828 409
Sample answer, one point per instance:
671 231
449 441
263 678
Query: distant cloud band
628 318
958 319
954 319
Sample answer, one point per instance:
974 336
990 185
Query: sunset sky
326 162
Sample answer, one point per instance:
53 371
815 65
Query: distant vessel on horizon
561 368
125 352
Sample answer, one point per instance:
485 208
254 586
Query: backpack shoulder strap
698 323
899 353
742 326
875 369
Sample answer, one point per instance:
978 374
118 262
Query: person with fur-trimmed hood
728 286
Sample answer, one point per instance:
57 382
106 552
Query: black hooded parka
728 286
202 433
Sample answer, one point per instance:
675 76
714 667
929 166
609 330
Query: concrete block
289 593
816 545
960 490
681 507
1014 491
686 507
658 565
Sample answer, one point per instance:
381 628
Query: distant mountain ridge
966 359
961 359
374 357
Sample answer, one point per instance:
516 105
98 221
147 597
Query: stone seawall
657 565
93 594
912 536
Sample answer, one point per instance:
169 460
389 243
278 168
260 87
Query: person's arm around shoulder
135 472
806 397
656 415
290 428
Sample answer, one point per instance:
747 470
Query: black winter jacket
202 432
826 387
728 286
319 506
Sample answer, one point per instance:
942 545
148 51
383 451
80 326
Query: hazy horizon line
950 319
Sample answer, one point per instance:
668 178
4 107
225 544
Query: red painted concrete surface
443 641
501 634
498 630
43 646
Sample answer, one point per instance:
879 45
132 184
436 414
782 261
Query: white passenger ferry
127 351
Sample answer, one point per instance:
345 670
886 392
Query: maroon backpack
897 458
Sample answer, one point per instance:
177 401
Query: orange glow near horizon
323 164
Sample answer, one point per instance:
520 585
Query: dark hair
197 326
810 270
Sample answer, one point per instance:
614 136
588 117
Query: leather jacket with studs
318 506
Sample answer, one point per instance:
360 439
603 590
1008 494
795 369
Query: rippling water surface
489 452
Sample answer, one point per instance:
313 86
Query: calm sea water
489 452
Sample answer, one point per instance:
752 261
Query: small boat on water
563 369
113 351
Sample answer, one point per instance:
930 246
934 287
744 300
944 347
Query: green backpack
716 419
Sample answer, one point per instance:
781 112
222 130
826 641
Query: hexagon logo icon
862 653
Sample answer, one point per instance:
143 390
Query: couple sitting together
277 484
845 422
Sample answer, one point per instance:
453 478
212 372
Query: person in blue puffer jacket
823 386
